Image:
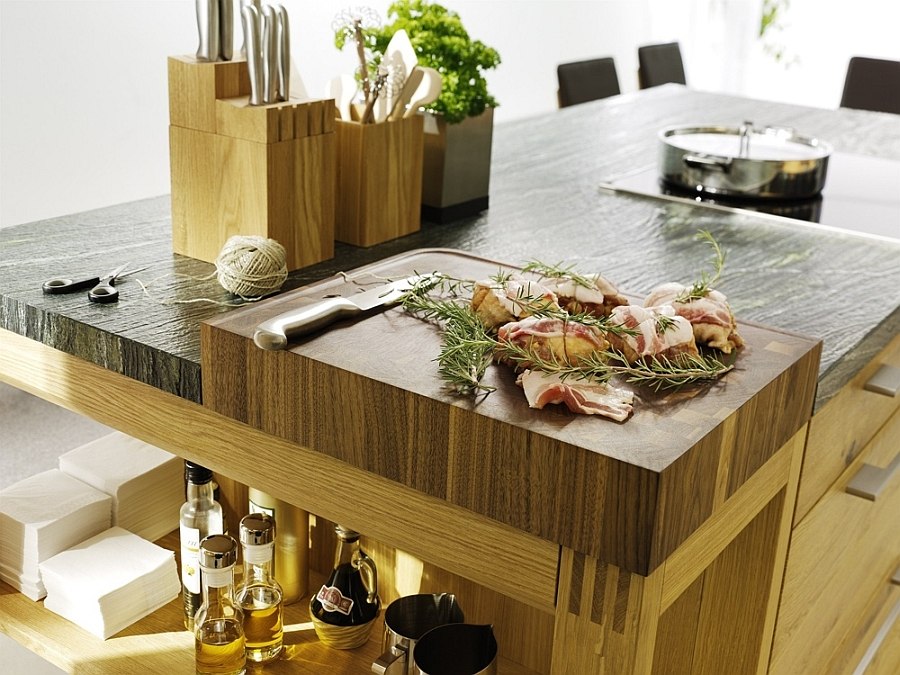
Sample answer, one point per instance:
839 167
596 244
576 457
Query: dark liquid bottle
345 606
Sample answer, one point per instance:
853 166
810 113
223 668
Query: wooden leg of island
709 609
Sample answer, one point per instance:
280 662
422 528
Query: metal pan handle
722 164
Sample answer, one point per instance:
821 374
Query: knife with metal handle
250 18
226 30
275 333
283 55
269 54
208 29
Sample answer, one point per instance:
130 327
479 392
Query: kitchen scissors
103 289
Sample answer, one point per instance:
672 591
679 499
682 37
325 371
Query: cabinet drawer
841 429
841 559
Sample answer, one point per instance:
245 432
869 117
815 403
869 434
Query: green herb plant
441 42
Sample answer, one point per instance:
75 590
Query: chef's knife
208 29
270 54
250 18
274 333
283 57
226 30
244 3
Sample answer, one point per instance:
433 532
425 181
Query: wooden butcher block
367 392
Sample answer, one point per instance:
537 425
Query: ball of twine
251 266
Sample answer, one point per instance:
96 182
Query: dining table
584 556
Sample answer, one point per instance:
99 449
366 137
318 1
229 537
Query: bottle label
190 558
256 508
334 601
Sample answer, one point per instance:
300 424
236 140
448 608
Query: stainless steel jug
457 649
406 620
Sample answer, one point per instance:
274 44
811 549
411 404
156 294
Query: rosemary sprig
663 323
700 289
558 271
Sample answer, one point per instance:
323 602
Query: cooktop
861 194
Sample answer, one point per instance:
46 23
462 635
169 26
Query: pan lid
777 144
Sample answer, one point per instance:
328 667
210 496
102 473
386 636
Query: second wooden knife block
238 169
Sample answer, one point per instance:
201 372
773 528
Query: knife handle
274 333
251 20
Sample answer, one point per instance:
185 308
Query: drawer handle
870 480
885 381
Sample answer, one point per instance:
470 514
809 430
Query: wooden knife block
238 169
379 180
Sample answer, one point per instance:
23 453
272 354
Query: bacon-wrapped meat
579 396
499 303
710 316
659 333
552 340
597 300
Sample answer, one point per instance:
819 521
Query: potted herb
459 125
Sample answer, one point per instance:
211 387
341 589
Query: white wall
83 97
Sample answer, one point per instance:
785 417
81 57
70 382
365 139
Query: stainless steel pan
745 162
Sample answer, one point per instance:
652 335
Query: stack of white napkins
41 516
145 482
110 581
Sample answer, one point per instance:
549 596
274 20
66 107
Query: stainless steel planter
457 166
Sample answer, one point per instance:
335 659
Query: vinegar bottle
344 609
259 594
201 515
218 625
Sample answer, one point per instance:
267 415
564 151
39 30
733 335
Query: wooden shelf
159 643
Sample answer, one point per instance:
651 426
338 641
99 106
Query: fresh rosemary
559 271
700 289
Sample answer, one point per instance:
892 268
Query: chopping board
367 391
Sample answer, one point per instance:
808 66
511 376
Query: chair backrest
872 84
583 81
659 64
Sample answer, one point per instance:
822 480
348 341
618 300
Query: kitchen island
834 286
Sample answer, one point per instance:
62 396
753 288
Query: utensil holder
238 169
379 180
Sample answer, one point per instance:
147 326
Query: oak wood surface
841 556
159 643
630 493
457 540
842 428
379 180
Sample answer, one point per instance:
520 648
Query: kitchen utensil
409 88
342 89
208 29
457 649
102 288
226 30
275 333
250 18
269 47
406 620
400 59
283 54
767 163
258 5
427 92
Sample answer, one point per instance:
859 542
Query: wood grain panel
629 493
841 557
522 566
843 427
678 633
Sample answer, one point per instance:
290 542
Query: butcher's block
367 391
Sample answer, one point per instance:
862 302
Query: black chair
659 64
872 84
583 81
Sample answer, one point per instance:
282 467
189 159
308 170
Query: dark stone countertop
545 203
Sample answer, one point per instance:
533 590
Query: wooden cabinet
838 593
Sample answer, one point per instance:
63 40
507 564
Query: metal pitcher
406 620
457 649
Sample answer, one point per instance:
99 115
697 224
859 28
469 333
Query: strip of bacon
553 339
576 298
711 317
579 396
650 341
496 304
